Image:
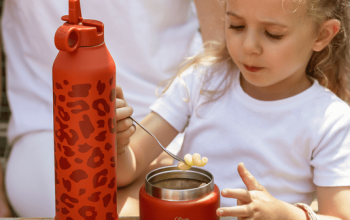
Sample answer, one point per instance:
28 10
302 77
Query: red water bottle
84 77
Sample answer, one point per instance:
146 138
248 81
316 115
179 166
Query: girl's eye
276 37
236 27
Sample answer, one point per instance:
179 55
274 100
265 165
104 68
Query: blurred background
4 108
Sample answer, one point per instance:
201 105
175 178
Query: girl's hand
254 203
125 126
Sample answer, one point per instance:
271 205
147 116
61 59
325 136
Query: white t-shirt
147 39
290 145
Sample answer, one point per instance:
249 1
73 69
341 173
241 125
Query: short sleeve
331 157
175 105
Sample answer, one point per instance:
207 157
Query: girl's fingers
121 136
248 179
237 211
119 92
124 124
242 195
120 103
124 112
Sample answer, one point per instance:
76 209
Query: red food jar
173 194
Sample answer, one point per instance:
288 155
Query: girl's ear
328 30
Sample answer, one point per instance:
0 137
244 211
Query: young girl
271 97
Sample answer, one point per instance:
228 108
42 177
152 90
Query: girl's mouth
252 68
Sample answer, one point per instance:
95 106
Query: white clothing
30 182
147 39
290 145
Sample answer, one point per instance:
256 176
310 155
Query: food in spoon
182 166
192 160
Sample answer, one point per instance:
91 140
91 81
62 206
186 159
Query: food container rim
179 194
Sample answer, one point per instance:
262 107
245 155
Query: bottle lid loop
77 32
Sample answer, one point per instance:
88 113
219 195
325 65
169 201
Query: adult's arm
211 15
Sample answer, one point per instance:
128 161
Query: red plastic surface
78 32
84 131
205 208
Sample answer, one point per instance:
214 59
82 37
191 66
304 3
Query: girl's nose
251 44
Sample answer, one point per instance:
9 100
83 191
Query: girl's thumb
248 179
119 92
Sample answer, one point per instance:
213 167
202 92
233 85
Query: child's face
269 42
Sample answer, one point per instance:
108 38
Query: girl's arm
333 201
137 149
143 148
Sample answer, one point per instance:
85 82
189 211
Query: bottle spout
75 16
78 32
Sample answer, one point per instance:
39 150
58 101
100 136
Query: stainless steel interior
172 184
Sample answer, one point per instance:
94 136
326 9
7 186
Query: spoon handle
168 152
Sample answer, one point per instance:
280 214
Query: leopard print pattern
85 166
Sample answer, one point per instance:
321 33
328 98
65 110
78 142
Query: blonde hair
330 67
214 55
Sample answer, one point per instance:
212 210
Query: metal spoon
168 152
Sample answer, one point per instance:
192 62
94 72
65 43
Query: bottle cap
78 32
